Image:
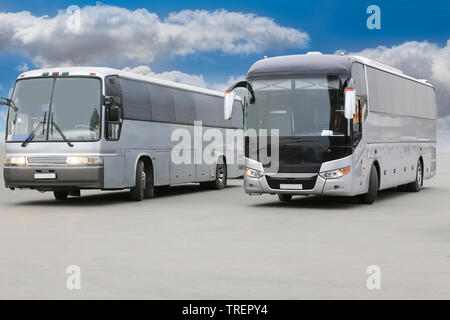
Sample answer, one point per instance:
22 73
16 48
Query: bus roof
314 64
104 72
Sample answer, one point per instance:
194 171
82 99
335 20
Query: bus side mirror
113 114
350 101
228 104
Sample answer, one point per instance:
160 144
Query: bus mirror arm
350 100
230 96
111 100
9 103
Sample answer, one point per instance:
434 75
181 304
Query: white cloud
175 76
1 87
110 33
22 67
422 60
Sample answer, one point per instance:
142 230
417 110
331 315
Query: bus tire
372 193
61 195
220 181
284 197
149 191
418 183
137 192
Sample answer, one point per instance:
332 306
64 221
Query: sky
213 43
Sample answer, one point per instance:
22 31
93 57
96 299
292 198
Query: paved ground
188 243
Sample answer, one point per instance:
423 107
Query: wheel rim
419 174
143 178
220 174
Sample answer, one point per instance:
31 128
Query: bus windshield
306 106
72 105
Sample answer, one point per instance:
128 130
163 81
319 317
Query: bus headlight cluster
16 161
333 174
252 173
83 161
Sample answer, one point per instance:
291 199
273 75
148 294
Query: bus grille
46 161
308 183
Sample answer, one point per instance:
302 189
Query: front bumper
66 177
313 184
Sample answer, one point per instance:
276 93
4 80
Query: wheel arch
219 157
376 164
148 164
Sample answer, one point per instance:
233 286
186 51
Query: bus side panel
152 139
114 172
397 142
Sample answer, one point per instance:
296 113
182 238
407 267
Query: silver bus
70 129
346 126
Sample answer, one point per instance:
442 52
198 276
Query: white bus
347 126
70 129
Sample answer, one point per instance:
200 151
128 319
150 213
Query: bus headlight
333 174
16 161
253 173
83 161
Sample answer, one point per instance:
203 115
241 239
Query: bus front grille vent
46 161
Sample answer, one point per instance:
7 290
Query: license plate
45 175
291 186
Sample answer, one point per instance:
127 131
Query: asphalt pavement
190 243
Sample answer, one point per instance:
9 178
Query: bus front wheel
137 192
372 193
284 197
61 195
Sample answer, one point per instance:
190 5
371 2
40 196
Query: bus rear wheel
221 177
61 195
220 181
418 183
372 193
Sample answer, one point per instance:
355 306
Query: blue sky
329 26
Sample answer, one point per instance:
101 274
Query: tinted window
112 87
393 94
217 110
204 107
135 100
237 117
359 77
161 101
184 106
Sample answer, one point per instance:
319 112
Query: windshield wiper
9 103
31 135
54 124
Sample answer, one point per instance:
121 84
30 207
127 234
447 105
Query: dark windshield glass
307 106
75 108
